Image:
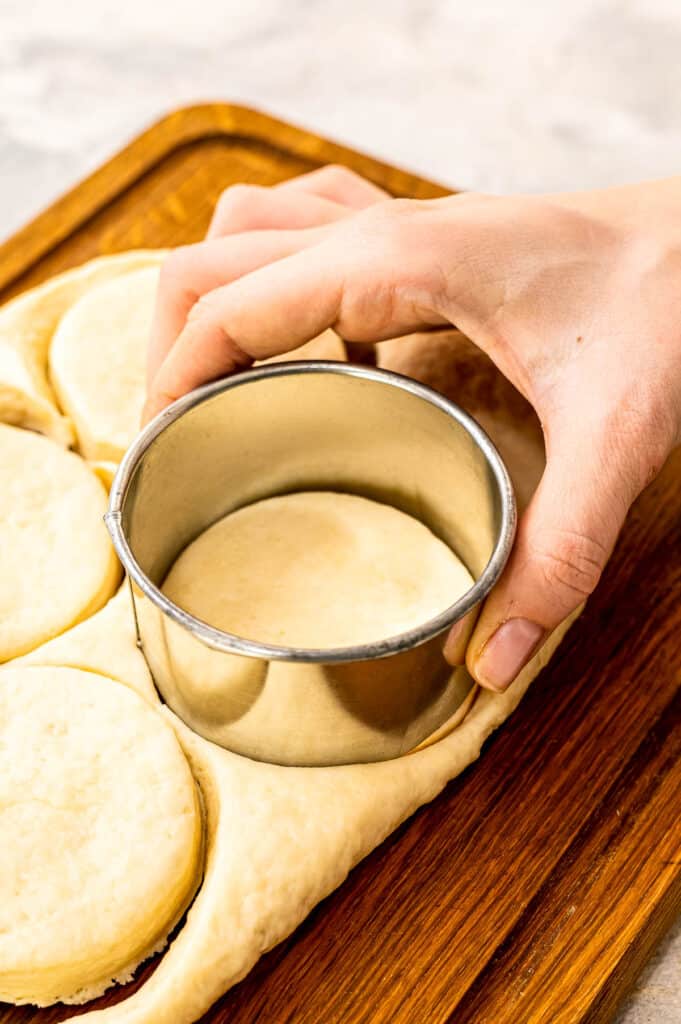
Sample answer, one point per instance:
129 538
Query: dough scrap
104 644
327 345
57 564
278 840
105 471
105 828
27 324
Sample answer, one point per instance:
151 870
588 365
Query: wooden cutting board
534 889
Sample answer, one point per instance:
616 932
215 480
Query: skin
575 297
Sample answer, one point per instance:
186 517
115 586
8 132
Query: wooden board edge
620 985
179 128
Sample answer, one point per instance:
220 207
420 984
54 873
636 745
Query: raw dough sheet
277 840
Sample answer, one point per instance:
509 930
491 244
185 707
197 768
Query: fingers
370 279
266 221
193 270
563 542
339 184
243 208
309 200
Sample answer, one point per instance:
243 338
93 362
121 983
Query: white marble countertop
523 96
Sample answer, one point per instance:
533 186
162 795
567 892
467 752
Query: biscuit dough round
316 569
98 362
101 830
57 564
27 325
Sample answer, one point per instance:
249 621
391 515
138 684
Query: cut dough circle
27 324
98 362
57 564
105 829
317 569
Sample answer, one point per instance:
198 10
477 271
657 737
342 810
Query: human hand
251 227
576 298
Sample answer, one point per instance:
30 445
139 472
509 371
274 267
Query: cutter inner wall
317 431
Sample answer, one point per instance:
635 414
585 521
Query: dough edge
185 885
321 821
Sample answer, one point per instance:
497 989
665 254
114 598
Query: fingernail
506 652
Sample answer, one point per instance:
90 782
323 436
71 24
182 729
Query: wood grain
533 890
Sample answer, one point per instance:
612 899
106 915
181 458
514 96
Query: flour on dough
57 564
101 830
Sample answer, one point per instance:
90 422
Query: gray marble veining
499 96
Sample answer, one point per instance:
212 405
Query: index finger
368 281
191 271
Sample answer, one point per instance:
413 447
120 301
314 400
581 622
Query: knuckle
641 428
571 562
174 265
166 396
646 458
337 174
201 310
655 439
238 204
398 280
392 222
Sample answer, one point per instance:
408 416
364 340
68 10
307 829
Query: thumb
564 540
